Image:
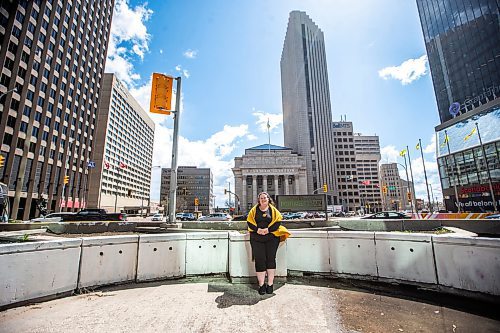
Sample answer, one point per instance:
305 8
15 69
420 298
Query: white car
216 217
157 217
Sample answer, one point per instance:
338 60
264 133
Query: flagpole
116 190
488 169
408 181
425 175
268 135
412 182
457 201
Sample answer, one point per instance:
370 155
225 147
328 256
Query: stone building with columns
274 169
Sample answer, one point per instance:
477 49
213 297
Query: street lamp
8 91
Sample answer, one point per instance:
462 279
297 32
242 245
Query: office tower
307 115
462 39
396 197
53 54
123 153
194 185
367 149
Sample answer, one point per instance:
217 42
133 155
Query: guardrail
34 270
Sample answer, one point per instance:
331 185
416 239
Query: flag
268 125
468 136
417 146
402 152
106 165
123 165
365 182
446 139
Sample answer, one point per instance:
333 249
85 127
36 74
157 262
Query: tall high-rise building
307 117
367 149
194 185
396 197
123 153
462 39
52 53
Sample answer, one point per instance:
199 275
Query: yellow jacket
282 232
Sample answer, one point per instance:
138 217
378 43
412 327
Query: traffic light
161 94
2 161
196 201
409 195
384 189
325 188
66 180
225 191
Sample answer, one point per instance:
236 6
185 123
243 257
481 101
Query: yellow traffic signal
2 161
325 188
384 189
161 94
66 180
409 195
196 201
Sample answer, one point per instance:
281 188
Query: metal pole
173 169
66 165
488 169
425 175
413 199
116 189
408 181
457 201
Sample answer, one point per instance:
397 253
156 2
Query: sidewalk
215 305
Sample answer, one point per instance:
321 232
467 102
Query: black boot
269 289
262 289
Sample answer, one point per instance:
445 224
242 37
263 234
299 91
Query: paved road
214 305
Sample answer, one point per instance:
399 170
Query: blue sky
228 54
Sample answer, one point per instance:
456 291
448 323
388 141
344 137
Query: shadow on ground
237 294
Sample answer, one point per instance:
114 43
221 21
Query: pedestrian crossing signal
66 180
325 188
196 201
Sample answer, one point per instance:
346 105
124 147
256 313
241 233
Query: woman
266 232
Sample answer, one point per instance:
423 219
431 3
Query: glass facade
462 38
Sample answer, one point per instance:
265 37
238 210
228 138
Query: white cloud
161 51
275 120
389 154
191 54
127 28
409 71
186 74
431 147
251 137
178 68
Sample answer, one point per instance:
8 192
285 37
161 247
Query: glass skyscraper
462 38
307 118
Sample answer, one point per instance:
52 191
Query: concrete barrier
36 269
352 252
161 256
241 264
308 251
468 263
206 253
406 257
107 260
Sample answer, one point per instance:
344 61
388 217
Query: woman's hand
263 232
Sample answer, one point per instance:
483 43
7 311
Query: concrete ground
215 305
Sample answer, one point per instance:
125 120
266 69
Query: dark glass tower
52 52
462 38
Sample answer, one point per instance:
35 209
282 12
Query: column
287 189
297 184
244 195
254 189
264 183
276 185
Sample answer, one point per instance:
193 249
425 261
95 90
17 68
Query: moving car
157 217
95 214
53 217
493 217
185 217
216 217
387 216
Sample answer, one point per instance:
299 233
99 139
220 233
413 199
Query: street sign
91 164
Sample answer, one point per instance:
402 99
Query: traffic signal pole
173 169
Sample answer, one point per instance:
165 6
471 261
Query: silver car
53 217
216 217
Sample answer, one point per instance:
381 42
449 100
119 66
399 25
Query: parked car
185 217
157 217
493 217
216 217
95 215
387 216
52 217
240 218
